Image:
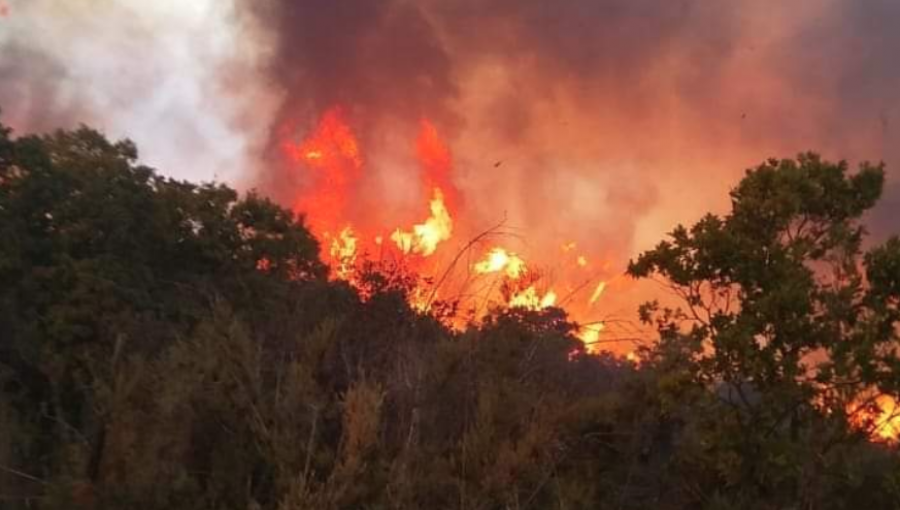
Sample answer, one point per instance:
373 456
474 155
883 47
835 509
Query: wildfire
531 299
424 238
344 252
329 167
434 158
590 335
332 153
880 417
499 260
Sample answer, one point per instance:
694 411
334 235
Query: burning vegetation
329 162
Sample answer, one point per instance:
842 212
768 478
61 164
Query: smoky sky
402 58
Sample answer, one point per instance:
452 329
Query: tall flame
329 166
332 153
531 299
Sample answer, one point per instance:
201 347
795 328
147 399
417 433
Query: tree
783 323
103 264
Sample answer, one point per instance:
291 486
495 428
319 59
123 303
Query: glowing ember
880 417
425 237
597 292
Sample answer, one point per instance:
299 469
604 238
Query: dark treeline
165 345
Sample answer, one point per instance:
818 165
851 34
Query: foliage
790 325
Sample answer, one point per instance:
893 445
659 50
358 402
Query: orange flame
329 166
343 252
332 153
880 417
500 260
424 238
590 335
437 164
531 299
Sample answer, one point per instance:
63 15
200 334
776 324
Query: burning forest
469 254
474 272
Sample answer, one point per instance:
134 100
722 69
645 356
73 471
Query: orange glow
597 293
531 299
334 192
343 252
881 420
330 159
500 260
590 335
437 165
424 238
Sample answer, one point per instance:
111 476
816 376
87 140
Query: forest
169 345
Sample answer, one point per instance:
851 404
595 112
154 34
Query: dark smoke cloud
379 57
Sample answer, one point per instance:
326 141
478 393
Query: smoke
151 71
